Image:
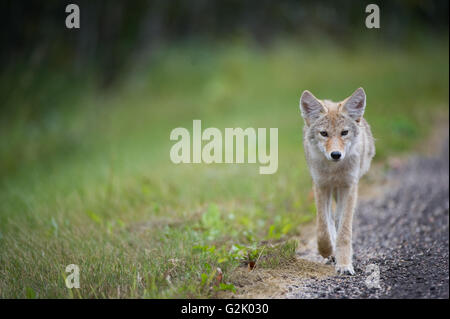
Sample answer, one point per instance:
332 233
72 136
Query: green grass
89 181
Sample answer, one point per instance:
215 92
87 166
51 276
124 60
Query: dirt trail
401 232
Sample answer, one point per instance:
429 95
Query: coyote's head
333 127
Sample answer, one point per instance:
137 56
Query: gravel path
404 233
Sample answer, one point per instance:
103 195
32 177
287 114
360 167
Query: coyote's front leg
326 233
346 202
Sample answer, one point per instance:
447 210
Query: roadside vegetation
86 177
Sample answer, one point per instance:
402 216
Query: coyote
339 148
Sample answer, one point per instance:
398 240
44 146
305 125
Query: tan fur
336 177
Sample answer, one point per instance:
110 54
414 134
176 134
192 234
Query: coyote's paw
330 261
345 269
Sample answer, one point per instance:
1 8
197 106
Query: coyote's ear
310 107
356 104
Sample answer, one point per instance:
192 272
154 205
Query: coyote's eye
343 133
324 133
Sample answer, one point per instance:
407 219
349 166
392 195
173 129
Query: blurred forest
114 33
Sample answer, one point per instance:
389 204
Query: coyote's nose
336 155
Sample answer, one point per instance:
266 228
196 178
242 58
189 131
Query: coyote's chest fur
339 148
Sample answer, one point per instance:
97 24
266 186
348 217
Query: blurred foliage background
113 36
85 118
47 68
